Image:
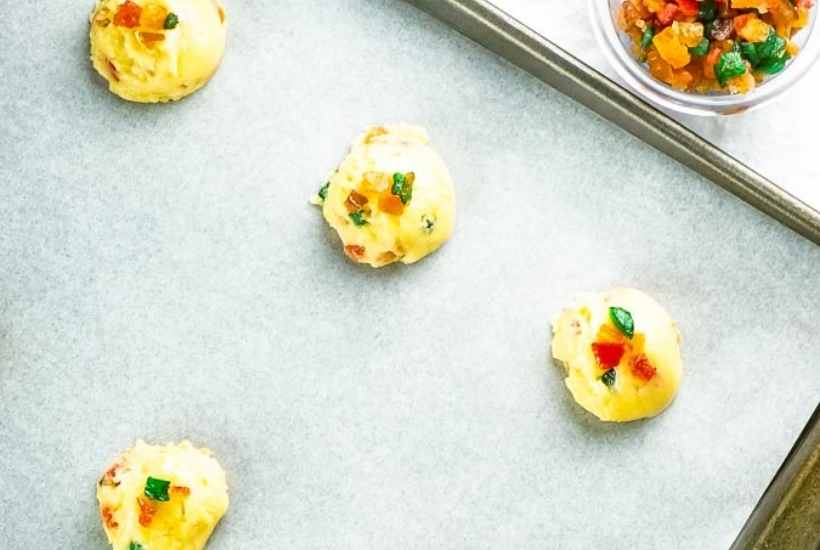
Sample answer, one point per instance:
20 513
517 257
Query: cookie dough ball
156 497
621 351
391 199
157 50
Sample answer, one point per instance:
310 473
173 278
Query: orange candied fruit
391 204
354 251
108 518
128 14
147 511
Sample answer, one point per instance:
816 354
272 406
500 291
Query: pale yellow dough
427 219
138 69
198 497
630 397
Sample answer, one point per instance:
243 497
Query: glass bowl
618 50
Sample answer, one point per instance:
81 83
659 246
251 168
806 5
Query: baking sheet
162 276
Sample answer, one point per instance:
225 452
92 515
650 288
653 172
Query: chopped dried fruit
150 38
608 354
108 518
671 49
153 17
355 202
358 218
180 490
128 14
171 21
323 191
157 489
147 511
642 368
354 251
729 66
135 546
403 186
623 321
391 204
683 42
608 378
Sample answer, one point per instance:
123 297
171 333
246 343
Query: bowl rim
638 77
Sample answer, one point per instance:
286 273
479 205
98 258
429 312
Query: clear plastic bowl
618 50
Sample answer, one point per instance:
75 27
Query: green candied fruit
135 546
701 49
171 21
358 218
773 65
707 10
729 66
323 191
622 319
773 47
157 489
647 36
608 378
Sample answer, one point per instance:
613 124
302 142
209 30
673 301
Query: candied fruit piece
608 354
742 84
689 7
642 368
354 251
690 33
153 17
391 204
750 28
128 14
150 38
671 49
760 5
654 6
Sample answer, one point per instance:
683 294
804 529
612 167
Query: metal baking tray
788 514
163 276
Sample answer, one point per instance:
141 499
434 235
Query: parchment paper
163 276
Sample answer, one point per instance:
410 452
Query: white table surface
774 140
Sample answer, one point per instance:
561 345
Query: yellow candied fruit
802 19
792 48
742 84
153 17
754 30
690 33
671 49
760 5
654 6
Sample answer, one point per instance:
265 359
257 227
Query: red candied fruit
642 368
608 354
128 14
667 14
689 7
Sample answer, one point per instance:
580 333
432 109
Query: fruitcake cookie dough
157 50
391 199
162 497
621 351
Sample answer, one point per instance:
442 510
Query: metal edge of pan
788 513
499 32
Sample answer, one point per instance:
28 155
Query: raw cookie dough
622 354
391 199
162 497
157 50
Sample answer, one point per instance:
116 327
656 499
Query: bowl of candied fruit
708 57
